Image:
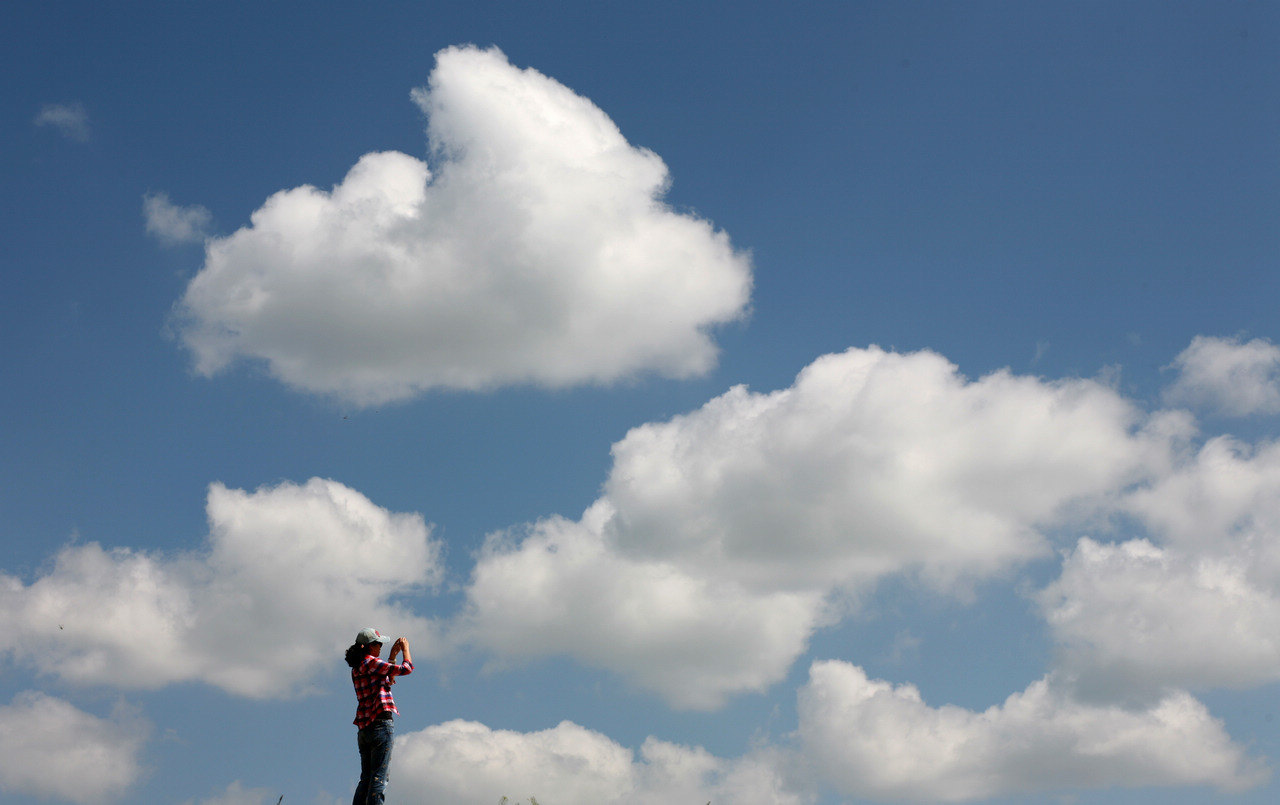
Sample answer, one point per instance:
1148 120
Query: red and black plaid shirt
373 678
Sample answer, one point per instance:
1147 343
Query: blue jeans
375 758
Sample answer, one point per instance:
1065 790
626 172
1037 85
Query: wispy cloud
172 224
70 119
238 794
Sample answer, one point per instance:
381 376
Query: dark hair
358 652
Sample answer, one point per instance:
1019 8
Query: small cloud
905 645
174 225
68 118
1042 347
1228 376
237 794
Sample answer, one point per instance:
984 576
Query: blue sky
754 403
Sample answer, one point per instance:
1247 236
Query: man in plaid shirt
375 707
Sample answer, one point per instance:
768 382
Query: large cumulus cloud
290 560
875 462
539 251
774 508
726 536
869 738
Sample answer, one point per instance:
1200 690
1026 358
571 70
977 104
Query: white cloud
868 738
1134 617
540 253
466 762
1224 501
48 748
172 224
293 562
875 462
70 119
860 737
724 535
691 638
1227 376
237 794
722 540
1195 605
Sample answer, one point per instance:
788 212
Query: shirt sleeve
377 665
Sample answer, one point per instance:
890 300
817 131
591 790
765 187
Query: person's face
375 649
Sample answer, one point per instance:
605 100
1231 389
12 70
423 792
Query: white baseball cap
369 635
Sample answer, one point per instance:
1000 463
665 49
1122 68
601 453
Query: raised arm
401 646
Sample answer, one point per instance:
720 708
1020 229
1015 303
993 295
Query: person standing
375 708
